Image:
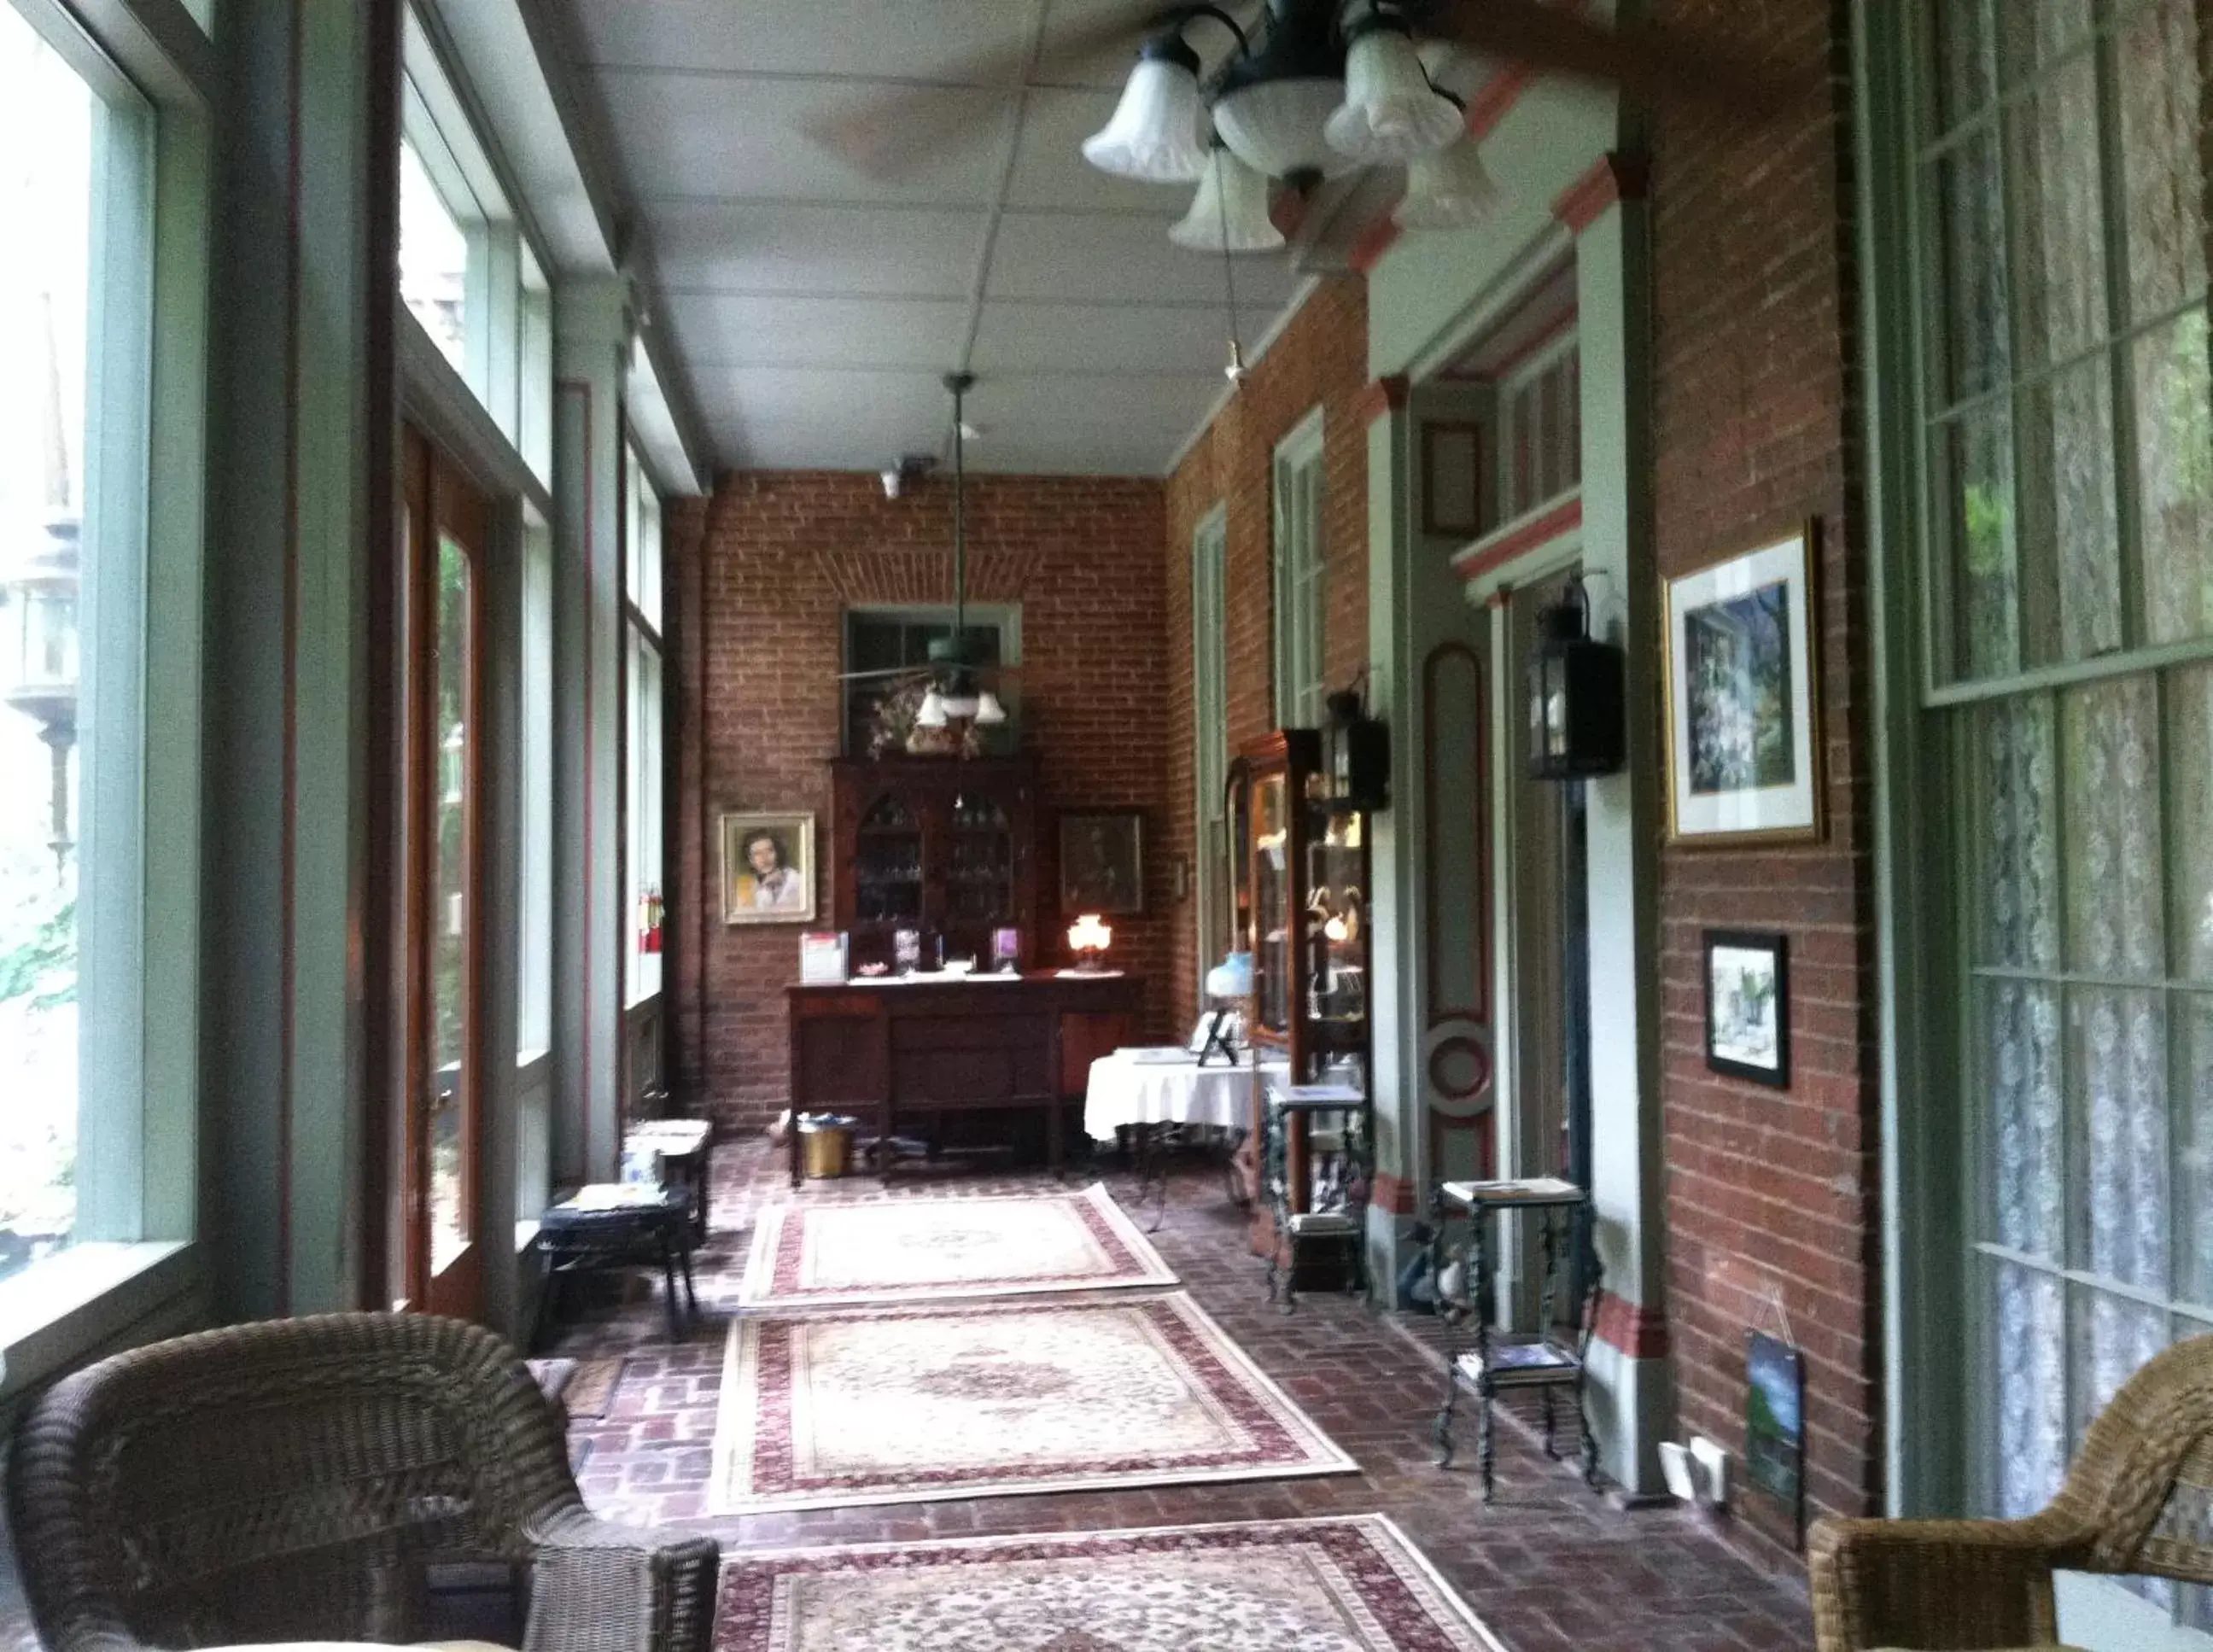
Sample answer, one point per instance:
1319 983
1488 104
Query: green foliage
37 950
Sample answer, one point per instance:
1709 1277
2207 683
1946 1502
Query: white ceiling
815 309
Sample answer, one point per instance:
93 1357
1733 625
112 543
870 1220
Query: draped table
1153 1092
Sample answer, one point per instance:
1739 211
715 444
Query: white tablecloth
1126 1091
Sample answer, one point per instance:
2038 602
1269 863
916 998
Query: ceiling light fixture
1316 92
1451 189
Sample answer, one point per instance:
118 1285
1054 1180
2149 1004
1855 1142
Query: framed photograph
1744 730
1748 1006
1774 1422
1102 861
768 868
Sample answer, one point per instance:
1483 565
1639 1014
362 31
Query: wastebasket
825 1144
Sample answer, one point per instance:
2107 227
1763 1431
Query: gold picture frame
768 868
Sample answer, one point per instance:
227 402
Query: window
535 415
893 639
1301 567
2064 410
434 259
1541 431
533 1024
645 745
86 1093
1210 705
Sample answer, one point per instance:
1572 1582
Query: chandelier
1324 88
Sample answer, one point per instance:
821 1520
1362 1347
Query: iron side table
1544 1360
598 1227
1292 1110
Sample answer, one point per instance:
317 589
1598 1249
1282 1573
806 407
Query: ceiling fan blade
1649 59
902 125
883 673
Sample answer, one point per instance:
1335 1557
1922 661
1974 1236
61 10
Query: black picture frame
1748 1023
1102 861
1775 1423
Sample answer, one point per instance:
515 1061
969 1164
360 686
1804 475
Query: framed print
1102 861
1774 1422
1748 1006
1744 733
768 868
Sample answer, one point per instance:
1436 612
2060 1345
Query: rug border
1326 1455
770 1223
1428 1568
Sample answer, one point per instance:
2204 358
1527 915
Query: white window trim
1210 602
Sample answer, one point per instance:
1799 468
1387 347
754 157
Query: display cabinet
943 846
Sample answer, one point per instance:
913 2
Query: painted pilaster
1631 1402
288 563
592 343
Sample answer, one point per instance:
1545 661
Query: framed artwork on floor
1748 1006
1102 861
1743 686
768 868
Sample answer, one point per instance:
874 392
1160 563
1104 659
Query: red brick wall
761 576
1771 1195
1320 358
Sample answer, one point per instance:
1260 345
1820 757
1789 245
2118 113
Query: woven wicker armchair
2138 1503
302 1480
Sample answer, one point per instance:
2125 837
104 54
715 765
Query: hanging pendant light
1390 112
989 713
932 712
1274 103
1158 130
1230 212
1451 189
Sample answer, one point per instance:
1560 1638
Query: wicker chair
313 1480
2138 1503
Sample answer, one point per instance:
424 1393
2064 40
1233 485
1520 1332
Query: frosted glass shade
1275 127
1448 190
931 713
1158 131
1230 212
989 713
1390 112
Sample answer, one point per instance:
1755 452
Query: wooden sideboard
909 1052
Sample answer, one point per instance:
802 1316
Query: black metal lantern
1577 712
1355 758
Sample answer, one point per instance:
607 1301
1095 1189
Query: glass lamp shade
1158 131
1390 112
931 713
962 703
989 713
1450 189
1231 978
1230 212
1275 126
38 646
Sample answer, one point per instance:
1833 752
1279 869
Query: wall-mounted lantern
1355 758
1577 694
38 652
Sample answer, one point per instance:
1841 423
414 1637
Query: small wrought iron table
617 1224
1554 1355
1342 1220
686 1147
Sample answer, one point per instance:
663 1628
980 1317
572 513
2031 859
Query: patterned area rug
916 1404
1352 1585
898 1250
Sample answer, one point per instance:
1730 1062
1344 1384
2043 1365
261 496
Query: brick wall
760 575
1320 358
1771 1195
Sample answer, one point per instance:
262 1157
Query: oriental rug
1341 1585
924 1402
896 1250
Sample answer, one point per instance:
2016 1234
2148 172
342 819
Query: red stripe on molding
288 823
1495 99
1384 395
1474 564
1637 1331
1615 177
582 391
1381 235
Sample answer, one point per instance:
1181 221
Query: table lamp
1089 937
1228 984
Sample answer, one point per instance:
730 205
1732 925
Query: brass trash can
825 1144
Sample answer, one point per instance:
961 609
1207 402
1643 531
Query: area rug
899 1250
1342 1585
924 1402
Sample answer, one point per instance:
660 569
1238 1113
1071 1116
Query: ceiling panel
1105 70
694 135
863 38
776 247
718 330
1124 260
1050 170
1096 339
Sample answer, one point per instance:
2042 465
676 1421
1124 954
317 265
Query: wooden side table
1544 1360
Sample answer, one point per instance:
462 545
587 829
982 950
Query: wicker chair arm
599 1586
1943 1585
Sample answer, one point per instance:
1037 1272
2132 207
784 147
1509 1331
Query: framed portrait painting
1744 733
1748 1006
768 868
1102 861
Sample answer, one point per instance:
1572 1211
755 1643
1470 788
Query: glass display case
942 847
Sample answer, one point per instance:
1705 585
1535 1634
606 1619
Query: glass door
438 1265
1271 907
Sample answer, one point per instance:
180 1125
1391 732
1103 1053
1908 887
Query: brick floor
1548 1566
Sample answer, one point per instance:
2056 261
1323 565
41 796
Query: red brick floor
1548 1565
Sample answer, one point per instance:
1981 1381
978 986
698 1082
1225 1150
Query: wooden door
438 1227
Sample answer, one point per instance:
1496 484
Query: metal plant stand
1341 1222
1553 1357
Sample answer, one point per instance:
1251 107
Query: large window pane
2112 769
1976 458
2058 222
48 121
2190 808
2162 122
434 259
1977 282
2173 383
451 919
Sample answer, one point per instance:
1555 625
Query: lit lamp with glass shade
1229 985
1089 937
40 658
1577 694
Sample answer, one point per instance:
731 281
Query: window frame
1300 558
645 746
1508 428
1210 705
1002 618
